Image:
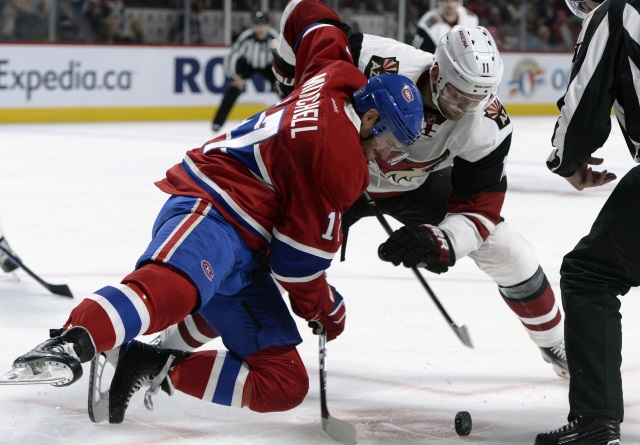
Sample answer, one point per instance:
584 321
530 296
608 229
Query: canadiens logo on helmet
208 270
407 94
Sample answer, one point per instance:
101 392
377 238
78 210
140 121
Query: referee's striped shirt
605 73
256 53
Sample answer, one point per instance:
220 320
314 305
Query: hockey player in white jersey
451 187
436 23
454 178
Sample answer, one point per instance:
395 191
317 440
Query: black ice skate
6 262
139 364
584 431
558 359
57 361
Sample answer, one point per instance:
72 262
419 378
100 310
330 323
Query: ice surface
77 203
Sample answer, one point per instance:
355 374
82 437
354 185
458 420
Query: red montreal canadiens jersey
284 177
476 146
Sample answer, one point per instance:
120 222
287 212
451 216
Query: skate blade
98 402
51 374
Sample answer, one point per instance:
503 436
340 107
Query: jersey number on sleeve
328 235
252 131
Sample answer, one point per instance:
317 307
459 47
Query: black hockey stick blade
58 289
463 335
338 430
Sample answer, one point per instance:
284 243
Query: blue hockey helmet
399 104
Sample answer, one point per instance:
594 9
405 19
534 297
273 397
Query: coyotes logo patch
381 65
406 171
498 114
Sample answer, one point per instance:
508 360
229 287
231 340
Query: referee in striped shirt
249 55
606 263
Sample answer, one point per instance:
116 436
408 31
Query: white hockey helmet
579 7
468 60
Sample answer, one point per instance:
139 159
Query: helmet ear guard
399 104
468 59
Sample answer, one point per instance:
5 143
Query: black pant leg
604 265
228 100
267 73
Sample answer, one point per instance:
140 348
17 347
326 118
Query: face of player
386 147
456 104
453 103
380 144
448 8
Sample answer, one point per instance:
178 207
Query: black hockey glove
421 246
284 74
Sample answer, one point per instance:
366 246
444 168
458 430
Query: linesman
606 263
249 55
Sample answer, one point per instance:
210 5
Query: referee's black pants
232 93
604 265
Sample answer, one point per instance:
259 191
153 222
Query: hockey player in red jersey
274 190
454 179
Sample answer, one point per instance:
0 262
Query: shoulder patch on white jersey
381 65
497 113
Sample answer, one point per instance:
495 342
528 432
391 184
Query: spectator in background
177 33
435 24
97 14
26 20
117 10
7 20
346 14
249 55
568 30
72 25
542 40
413 16
134 32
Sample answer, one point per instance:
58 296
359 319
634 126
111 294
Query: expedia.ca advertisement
85 82
105 81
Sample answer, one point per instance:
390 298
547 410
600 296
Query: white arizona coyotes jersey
476 146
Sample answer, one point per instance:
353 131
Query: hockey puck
463 423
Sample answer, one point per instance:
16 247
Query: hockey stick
58 289
337 429
460 331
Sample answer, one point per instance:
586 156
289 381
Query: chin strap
435 95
